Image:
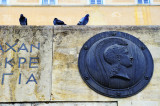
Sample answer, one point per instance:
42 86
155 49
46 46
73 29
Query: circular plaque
115 64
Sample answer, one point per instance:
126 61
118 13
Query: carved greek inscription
10 62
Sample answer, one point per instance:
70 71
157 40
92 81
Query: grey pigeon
84 20
23 20
58 22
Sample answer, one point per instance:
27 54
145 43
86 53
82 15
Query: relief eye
117 56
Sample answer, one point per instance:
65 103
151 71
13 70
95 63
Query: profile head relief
117 56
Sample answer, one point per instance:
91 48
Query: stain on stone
17 31
17 40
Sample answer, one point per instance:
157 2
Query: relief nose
131 58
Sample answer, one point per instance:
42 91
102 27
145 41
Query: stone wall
45 66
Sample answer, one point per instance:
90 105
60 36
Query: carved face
125 59
117 56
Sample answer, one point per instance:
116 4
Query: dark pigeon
23 20
58 22
84 20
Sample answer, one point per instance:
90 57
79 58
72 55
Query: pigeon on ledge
23 20
84 20
58 22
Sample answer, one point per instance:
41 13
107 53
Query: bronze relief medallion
115 64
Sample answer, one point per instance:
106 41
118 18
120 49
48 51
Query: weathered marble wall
15 88
57 75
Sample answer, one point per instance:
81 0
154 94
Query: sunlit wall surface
102 12
78 2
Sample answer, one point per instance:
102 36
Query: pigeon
84 20
58 22
23 20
